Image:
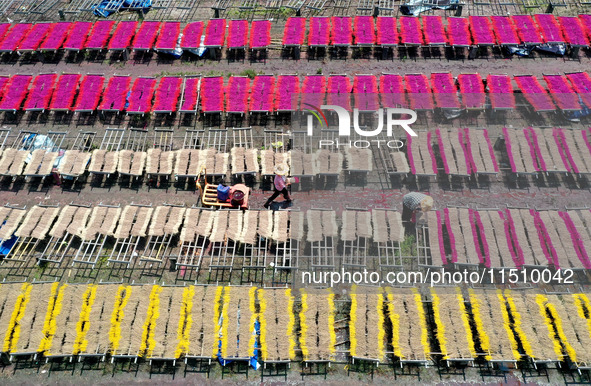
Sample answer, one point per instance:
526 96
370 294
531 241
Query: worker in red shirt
280 183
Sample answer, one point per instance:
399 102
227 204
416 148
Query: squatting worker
280 183
412 203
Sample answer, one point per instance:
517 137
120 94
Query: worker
280 183
412 203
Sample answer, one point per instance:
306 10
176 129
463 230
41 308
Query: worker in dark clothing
412 203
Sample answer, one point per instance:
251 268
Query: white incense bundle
97 161
63 221
111 162
322 161
380 226
251 159
11 221
174 221
68 159
207 159
138 163
484 150
47 163
182 162
194 165
234 225
220 225
395 225
79 220
249 228
295 163
47 218
433 227
348 230
281 158
13 161
265 228
124 165
296 225
314 219
190 225
221 163
30 221
280 226
126 221
400 162
141 222
206 219
153 161
34 162
478 154
79 166
267 162
166 162
18 163
238 163
364 224
158 220
549 150
329 224
93 225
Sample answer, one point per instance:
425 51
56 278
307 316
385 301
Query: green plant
319 71
249 72
408 246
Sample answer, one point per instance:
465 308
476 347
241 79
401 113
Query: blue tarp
253 361
7 245
108 7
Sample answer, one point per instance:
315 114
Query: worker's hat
281 169
427 204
